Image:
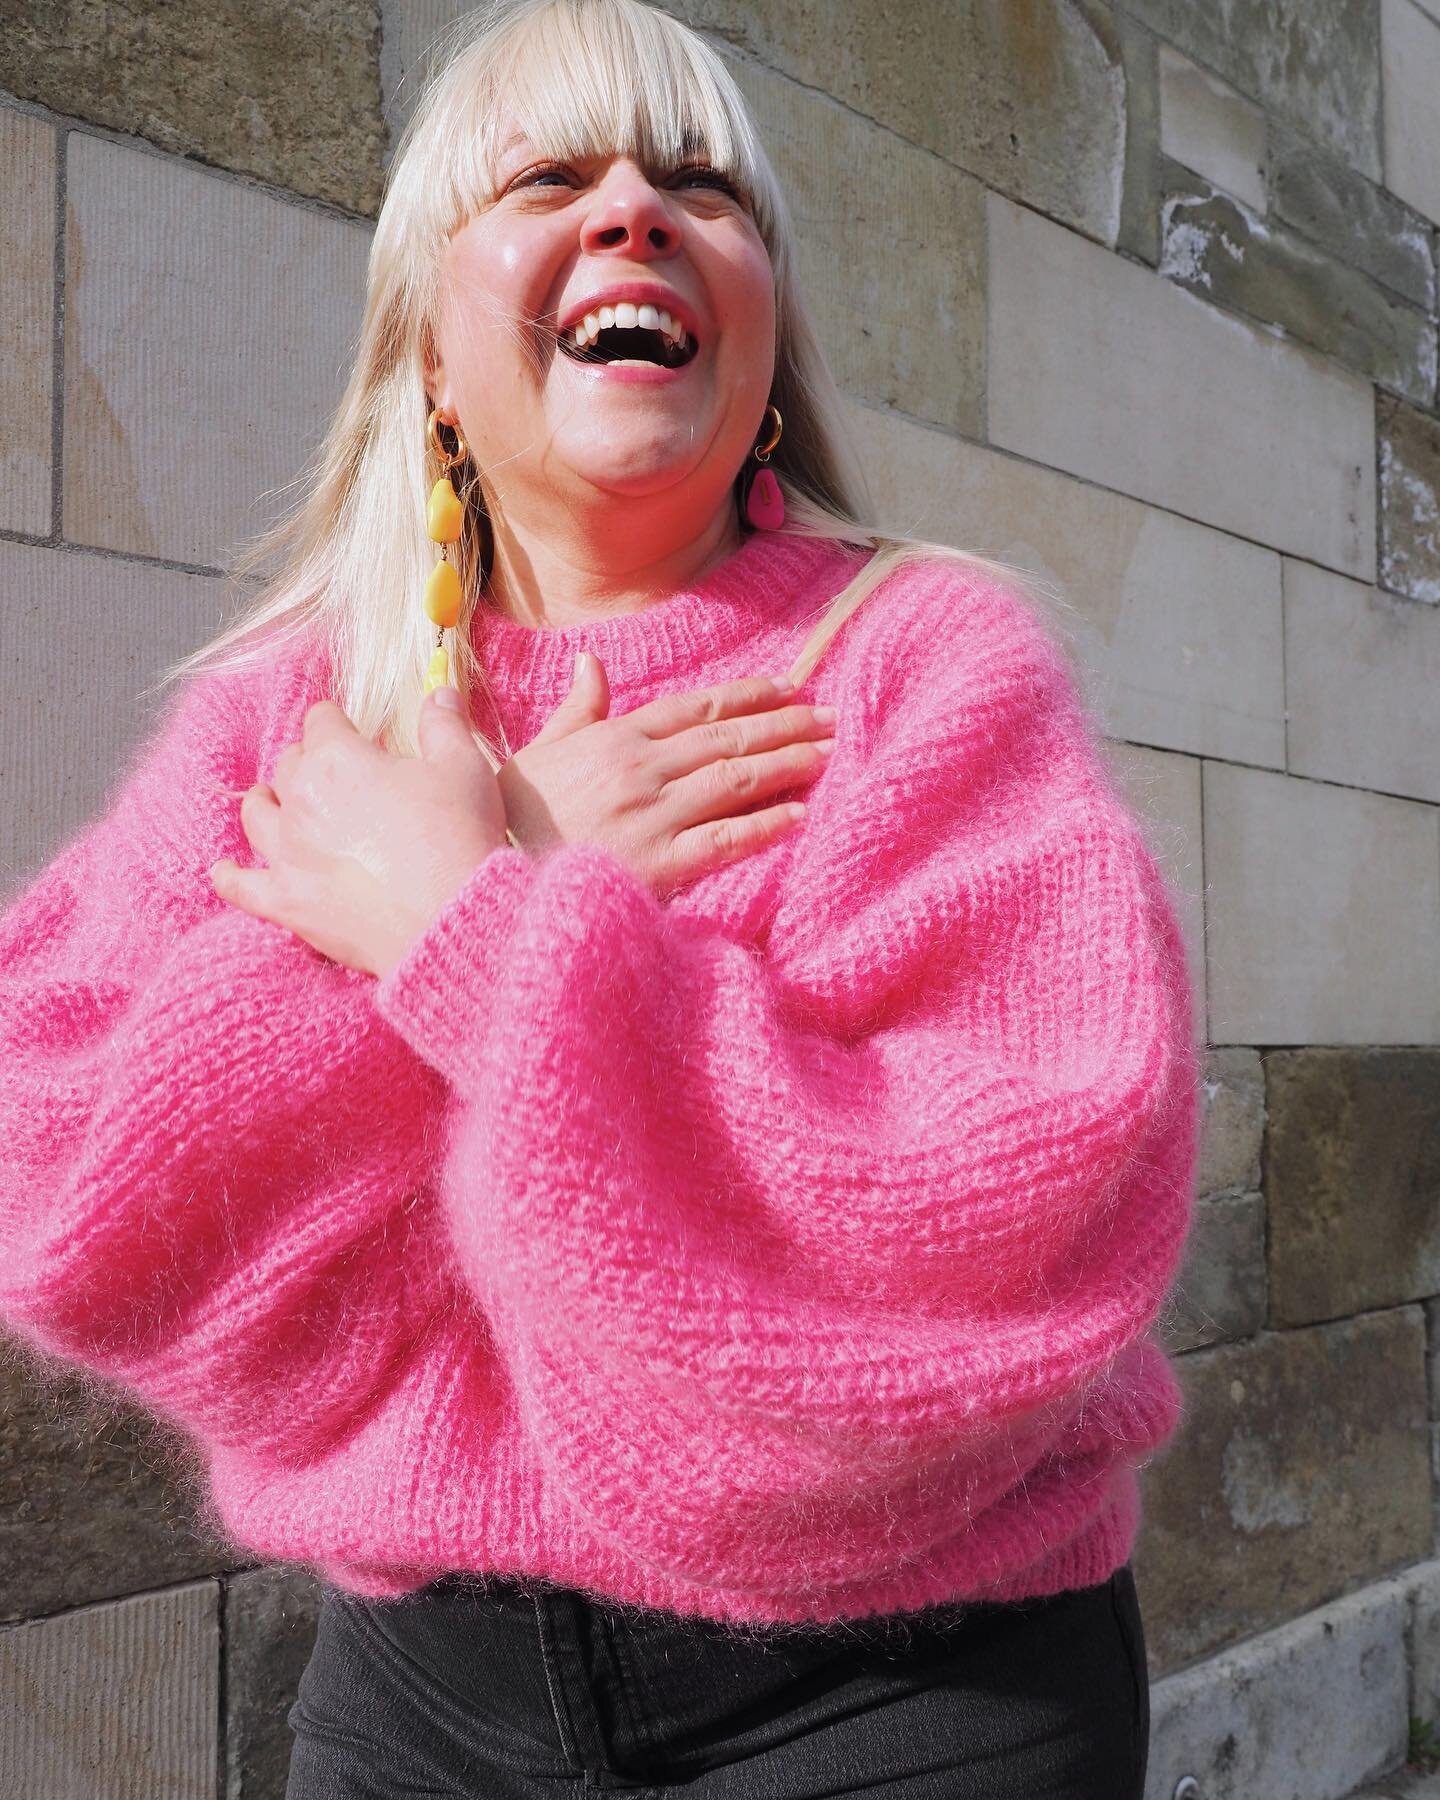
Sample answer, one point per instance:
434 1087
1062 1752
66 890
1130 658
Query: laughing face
607 333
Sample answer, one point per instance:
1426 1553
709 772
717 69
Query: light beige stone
1410 60
1363 672
1107 370
206 341
82 639
895 276
1177 628
1322 912
412 41
27 318
1210 128
119 1700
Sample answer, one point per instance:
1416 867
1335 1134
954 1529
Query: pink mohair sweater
785 1250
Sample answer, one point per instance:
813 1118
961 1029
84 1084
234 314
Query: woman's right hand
661 787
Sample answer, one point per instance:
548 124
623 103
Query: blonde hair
580 78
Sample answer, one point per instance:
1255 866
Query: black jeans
525 1689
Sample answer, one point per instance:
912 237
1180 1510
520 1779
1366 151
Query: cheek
748 316
497 286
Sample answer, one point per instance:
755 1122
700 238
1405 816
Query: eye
708 177
541 175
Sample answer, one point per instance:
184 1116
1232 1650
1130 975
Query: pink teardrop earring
764 502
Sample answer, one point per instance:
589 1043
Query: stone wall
1139 293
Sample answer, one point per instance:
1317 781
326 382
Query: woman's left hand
364 848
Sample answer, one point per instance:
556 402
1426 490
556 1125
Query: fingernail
783 683
447 696
825 715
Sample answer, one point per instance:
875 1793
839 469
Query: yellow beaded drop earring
444 521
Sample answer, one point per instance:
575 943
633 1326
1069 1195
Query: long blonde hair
580 78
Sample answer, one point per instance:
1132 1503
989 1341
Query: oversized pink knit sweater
783 1250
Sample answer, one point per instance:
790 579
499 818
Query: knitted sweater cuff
438 995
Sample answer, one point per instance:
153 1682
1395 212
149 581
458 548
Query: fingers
324 719
744 735
244 889
260 818
676 712
717 789
712 845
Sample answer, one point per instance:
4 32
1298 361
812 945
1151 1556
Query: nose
629 215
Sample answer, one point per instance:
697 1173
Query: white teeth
592 327
607 317
627 317
649 318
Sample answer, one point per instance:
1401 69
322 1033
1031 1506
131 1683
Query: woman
680 1271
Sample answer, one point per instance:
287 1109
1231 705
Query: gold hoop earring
764 502
444 522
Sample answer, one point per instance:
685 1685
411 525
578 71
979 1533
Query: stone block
1411 46
1322 912
412 40
1351 216
207 329
906 325
118 1700
97 1499
27 320
1363 671
1139 234
1352 1180
1409 499
1287 1483
1106 370
83 639
1423 1642
1216 247
1219 1293
1432 1355
1211 129
1313 62
270 1615
1303 1712
1234 1126
1029 98
1177 628
288 94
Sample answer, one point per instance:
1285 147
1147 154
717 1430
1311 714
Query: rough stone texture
1234 1127
27 319
96 1498
1139 234
1362 673
1211 129
1412 118
119 1701
906 326
1287 1482
1300 1713
1352 1180
288 93
1219 1293
1322 912
1409 499
1314 62
1214 246
1031 98
270 1615
1101 368
1423 1643
1351 217
83 640
1407 1785
206 335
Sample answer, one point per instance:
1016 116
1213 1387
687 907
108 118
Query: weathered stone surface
1234 1125
1352 1180
82 638
1412 119
1299 1713
1424 1642
1322 912
96 1498
1432 1354
1409 499
270 1616
119 1700
1211 129
1216 247
206 331
1139 234
1314 62
290 94
1219 1293
1353 218
1101 368
27 319
906 325
1362 671
1178 628
1287 1483
1029 98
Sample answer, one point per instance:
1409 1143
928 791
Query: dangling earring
764 503
444 521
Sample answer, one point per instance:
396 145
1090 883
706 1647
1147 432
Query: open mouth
629 334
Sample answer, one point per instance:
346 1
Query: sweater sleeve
212 1143
805 1239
